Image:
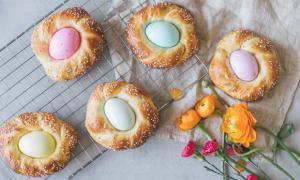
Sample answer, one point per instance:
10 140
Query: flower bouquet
239 131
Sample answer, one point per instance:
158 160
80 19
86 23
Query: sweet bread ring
171 38
67 43
245 66
120 115
36 144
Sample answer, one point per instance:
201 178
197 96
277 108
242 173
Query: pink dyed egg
64 43
244 65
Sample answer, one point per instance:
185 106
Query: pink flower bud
188 150
230 151
251 177
209 147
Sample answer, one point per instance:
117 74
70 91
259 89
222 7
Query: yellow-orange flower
238 123
176 93
206 106
241 163
188 120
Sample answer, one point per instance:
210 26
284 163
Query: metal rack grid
25 87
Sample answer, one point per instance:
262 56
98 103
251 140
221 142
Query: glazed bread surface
100 128
90 48
12 130
265 54
156 56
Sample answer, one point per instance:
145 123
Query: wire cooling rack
25 87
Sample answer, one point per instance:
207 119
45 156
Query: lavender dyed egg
244 65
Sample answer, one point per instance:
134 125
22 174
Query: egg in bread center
162 33
64 43
119 113
244 65
37 144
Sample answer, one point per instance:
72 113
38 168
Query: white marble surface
157 159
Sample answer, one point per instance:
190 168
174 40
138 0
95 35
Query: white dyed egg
37 144
163 34
244 65
119 114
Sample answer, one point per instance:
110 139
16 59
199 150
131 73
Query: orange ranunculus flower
206 106
238 123
188 120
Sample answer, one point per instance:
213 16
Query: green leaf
285 131
204 83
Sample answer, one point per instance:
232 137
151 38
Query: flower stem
295 152
279 142
239 174
275 164
216 172
248 153
223 147
258 151
219 98
230 160
198 156
205 84
207 135
216 168
218 114
248 159
254 150
224 167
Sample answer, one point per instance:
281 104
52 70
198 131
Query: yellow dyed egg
37 144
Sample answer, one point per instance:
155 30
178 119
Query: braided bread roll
129 100
152 54
245 65
37 144
80 29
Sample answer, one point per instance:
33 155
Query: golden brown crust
223 77
64 134
104 133
155 56
90 48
